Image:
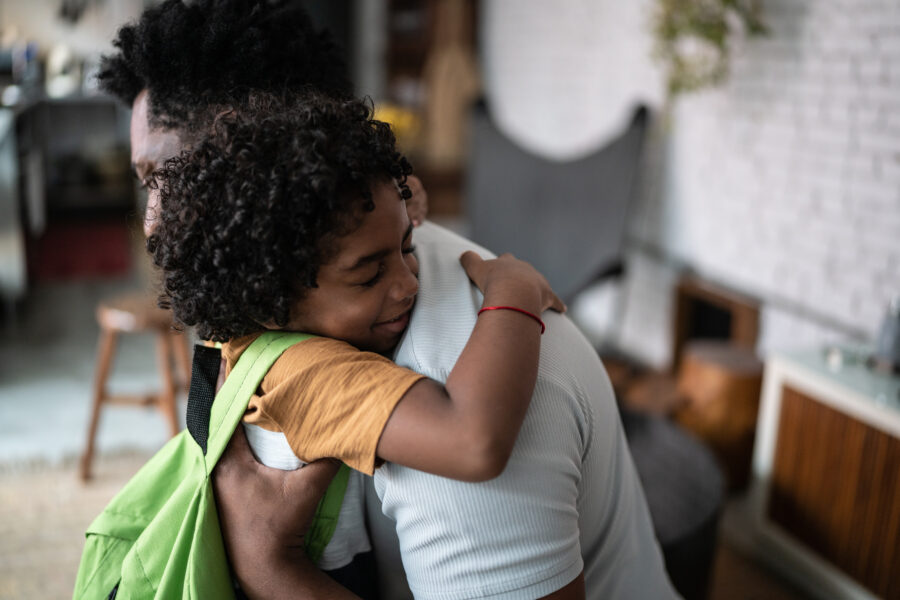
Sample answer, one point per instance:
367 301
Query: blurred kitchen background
713 186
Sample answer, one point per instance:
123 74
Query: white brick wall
783 183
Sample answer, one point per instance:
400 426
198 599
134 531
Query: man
566 519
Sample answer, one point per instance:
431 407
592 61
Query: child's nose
407 285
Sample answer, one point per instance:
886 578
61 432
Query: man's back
569 499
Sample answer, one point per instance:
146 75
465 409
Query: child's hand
512 281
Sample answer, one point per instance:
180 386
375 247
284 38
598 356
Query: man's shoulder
431 235
447 308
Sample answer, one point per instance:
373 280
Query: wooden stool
137 313
720 384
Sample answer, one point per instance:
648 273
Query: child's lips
397 324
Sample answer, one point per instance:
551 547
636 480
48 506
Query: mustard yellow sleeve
331 400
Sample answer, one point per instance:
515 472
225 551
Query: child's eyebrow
376 256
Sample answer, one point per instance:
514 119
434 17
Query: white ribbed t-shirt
569 499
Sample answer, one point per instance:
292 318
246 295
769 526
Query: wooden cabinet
431 72
826 497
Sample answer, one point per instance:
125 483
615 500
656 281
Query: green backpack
159 537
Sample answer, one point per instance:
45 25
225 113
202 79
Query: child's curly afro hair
193 54
253 210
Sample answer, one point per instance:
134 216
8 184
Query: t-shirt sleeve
331 400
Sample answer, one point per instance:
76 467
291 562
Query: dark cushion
684 487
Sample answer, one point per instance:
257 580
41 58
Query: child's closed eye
374 280
371 282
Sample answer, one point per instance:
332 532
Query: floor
44 512
46 371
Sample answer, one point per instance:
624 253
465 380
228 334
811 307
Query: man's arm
264 514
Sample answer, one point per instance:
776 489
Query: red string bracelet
518 310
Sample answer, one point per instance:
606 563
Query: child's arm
467 428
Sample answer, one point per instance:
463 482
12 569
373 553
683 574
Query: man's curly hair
252 211
192 55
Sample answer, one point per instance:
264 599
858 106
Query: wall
783 184
563 77
38 21
370 22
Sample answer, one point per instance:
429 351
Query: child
289 215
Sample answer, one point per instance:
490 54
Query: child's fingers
473 264
556 304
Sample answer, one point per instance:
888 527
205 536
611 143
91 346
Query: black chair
568 219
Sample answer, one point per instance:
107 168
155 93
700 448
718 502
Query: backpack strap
325 520
229 408
204 374
243 381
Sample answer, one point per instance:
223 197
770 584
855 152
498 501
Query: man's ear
417 204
